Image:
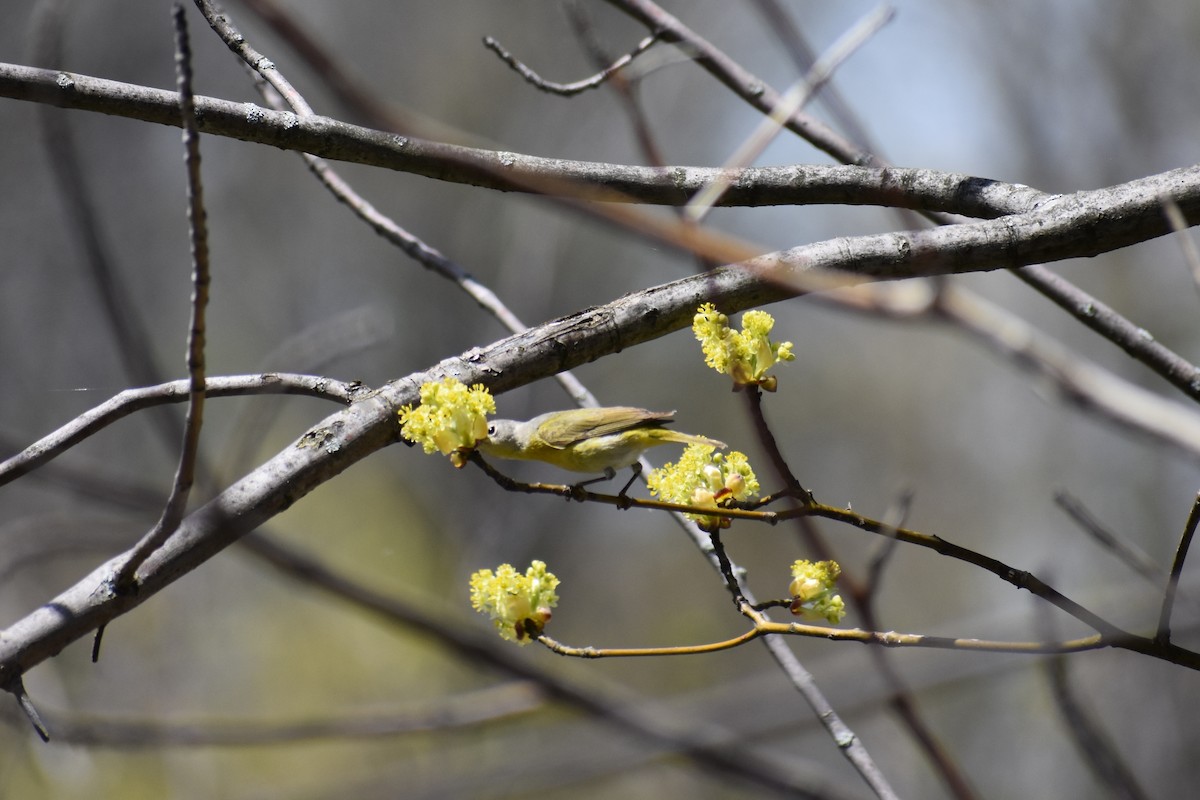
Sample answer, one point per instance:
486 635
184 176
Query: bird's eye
491 430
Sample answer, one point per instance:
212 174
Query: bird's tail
668 435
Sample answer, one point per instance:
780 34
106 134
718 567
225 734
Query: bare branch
507 171
133 400
567 89
185 475
1136 341
1187 245
16 687
1189 531
1128 554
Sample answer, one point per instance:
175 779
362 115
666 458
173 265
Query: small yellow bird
586 439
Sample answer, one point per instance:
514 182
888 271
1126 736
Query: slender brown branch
622 501
890 639
641 652
1163 636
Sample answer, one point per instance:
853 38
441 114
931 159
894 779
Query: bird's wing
569 427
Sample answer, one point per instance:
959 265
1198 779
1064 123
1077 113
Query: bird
591 440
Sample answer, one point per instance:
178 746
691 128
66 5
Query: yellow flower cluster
704 477
450 419
812 590
519 605
744 355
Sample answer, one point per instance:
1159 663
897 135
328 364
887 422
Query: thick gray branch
1078 225
923 189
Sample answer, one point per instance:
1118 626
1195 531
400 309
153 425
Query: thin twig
623 501
185 474
728 571
16 687
1128 554
585 34
575 87
1163 636
1191 254
1020 579
883 639
133 400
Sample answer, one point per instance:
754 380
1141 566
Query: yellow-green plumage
586 439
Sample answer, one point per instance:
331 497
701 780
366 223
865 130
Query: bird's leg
637 470
609 474
577 489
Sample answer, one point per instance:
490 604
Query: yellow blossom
744 355
812 590
704 477
519 605
450 419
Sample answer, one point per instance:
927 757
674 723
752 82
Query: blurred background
1062 96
